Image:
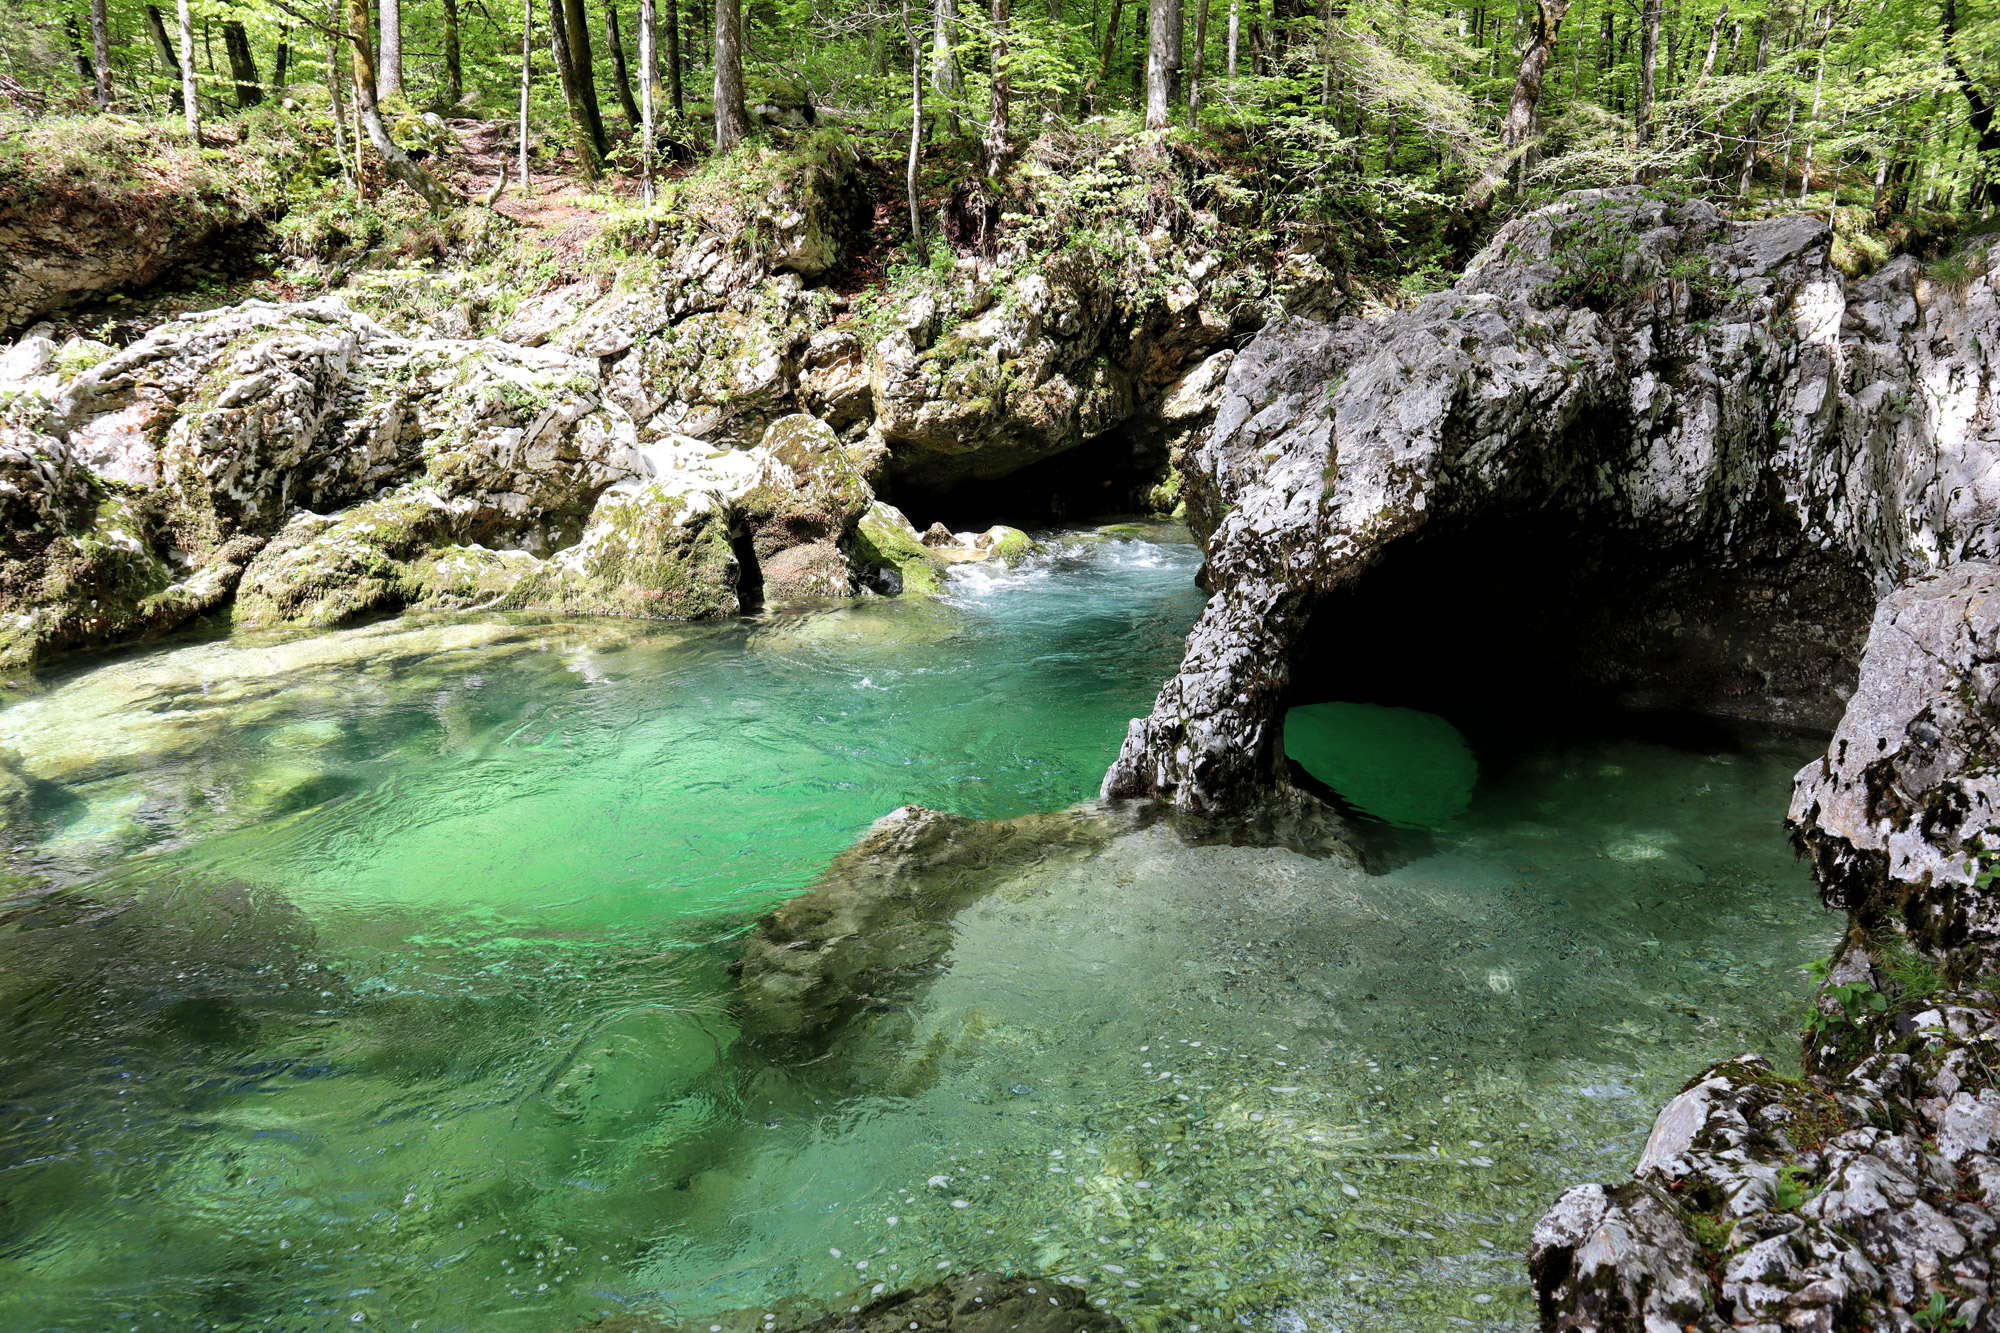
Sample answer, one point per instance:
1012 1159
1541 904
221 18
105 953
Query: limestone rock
1857 1196
877 922
1641 394
1909 792
1617 1261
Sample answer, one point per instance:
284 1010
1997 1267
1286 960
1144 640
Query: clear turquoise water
377 979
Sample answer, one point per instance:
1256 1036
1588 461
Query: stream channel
377 979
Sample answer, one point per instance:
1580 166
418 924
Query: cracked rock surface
1719 392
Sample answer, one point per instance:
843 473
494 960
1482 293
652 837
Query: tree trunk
281 65
1576 60
996 117
1235 32
394 159
1520 120
916 135
1649 55
100 44
1714 46
1200 60
576 31
242 63
1162 63
169 63
527 84
1986 192
649 78
1326 64
1819 87
454 69
732 122
1755 128
84 71
674 55
190 102
944 61
589 153
1140 15
1104 56
334 96
621 80
390 16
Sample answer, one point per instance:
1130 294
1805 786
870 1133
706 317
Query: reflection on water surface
377 978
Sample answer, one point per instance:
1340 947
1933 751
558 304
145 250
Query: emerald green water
377 979
1401 766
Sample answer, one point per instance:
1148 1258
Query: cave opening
1112 475
749 574
1523 630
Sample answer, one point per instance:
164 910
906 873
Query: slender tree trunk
100 45
169 62
1104 55
527 84
649 78
1576 60
390 15
917 241
242 63
454 68
1519 123
1162 63
1326 64
944 60
1819 87
1754 130
674 55
589 152
1714 46
1235 33
1140 14
1649 55
190 103
583 65
1200 61
621 81
394 160
339 103
996 117
732 122
281 64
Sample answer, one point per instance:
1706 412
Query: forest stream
378 978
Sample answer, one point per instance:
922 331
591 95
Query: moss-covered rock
815 496
330 570
891 554
656 551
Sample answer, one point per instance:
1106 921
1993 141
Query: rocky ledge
1639 452
712 430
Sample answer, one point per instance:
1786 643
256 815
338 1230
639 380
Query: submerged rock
877 923
976 1303
1869 1191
